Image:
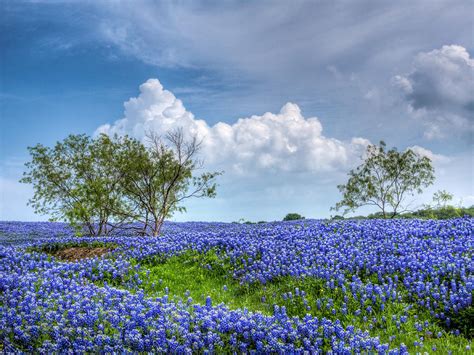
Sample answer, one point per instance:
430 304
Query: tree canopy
160 177
385 179
293 217
100 184
75 181
441 198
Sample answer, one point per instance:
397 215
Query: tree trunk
145 226
91 229
157 227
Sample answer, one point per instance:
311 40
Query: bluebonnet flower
68 297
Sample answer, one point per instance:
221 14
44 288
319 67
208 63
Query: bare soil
79 253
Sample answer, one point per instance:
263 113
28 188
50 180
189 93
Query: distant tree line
104 183
423 213
438 209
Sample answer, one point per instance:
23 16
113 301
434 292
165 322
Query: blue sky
286 95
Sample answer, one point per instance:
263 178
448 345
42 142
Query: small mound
79 253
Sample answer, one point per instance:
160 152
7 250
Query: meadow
311 286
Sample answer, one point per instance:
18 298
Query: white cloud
402 83
440 91
435 158
318 55
284 141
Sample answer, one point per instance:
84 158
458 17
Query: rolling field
372 286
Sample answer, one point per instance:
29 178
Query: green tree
158 178
76 181
108 182
385 179
293 217
441 198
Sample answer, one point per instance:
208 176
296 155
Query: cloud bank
440 91
285 141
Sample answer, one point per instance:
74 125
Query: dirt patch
78 253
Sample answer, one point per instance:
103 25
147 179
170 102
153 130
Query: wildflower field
367 286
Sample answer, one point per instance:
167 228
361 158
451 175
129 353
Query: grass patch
193 277
197 276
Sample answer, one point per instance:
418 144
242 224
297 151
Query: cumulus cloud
435 158
283 141
440 90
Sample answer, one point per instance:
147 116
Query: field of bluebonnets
367 286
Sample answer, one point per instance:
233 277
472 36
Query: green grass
200 275
187 275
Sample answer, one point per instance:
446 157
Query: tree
157 179
385 179
106 183
441 198
293 217
76 181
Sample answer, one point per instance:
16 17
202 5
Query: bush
463 320
293 217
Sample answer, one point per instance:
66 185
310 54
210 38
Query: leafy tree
293 217
76 181
385 179
441 198
108 182
157 179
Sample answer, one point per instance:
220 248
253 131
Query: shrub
293 217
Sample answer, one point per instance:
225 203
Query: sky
285 95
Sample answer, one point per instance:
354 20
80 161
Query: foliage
157 179
385 179
76 181
442 213
293 217
441 198
431 213
108 182
464 321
